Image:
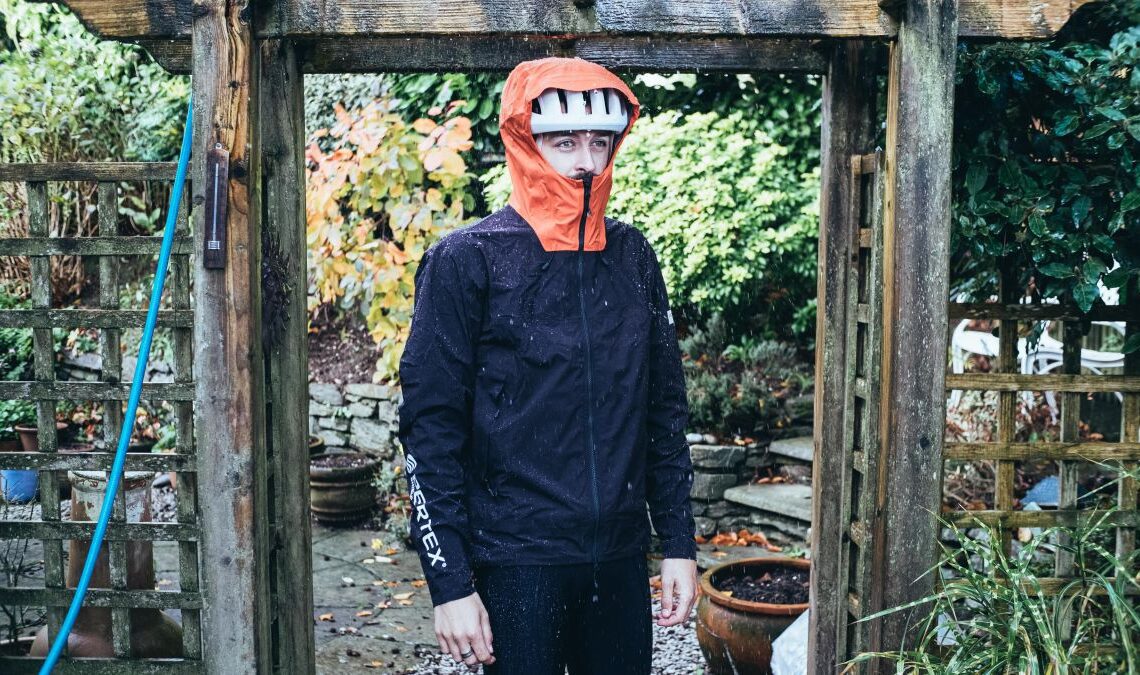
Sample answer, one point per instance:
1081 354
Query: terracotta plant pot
340 486
153 633
736 635
30 440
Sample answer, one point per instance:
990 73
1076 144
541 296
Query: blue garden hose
133 404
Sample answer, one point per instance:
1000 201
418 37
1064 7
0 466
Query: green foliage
738 389
997 619
379 194
16 364
1046 141
69 97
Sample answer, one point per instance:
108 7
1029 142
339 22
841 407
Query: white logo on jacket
427 535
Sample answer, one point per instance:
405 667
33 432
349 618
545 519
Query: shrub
378 196
67 97
1047 137
738 389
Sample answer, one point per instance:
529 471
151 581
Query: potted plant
744 606
341 489
316 446
18 485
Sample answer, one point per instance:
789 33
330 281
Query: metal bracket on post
217 200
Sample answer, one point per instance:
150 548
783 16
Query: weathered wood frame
39 246
246 60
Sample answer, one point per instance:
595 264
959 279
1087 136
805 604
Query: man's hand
678 590
462 627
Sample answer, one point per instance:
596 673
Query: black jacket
543 404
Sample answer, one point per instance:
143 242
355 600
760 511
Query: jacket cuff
451 587
679 547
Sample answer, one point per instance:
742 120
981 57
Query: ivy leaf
1081 209
1067 124
1116 278
1037 225
1057 270
1131 201
1111 113
1085 294
975 178
1131 344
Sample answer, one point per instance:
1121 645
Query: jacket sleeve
670 467
437 379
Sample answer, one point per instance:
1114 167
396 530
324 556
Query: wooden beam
156 19
229 406
628 53
635 53
848 130
279 131
920 122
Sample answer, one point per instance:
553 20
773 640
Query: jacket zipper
589 375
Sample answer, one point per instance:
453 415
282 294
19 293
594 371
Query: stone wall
715 469
362 417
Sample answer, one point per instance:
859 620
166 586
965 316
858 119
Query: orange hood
550 202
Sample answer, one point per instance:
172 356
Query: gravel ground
675 652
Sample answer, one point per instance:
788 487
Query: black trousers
549 618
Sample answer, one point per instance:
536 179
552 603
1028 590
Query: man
544 404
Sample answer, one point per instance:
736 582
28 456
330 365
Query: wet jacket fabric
543 398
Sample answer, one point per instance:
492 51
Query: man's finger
667 586
479 645
488 638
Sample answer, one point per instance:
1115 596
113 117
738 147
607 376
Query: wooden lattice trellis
112 391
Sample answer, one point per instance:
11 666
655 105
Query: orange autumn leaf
364 612
326 617
419 583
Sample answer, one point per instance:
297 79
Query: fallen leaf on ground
406 603
401 629
419 583
326 617
374 664
364 612
719 554
403 596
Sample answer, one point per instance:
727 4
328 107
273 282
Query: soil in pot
341 488
778 585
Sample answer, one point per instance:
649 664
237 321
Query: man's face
575 154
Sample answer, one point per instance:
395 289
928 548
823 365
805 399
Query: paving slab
786 499
801 448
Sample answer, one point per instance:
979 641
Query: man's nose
586 162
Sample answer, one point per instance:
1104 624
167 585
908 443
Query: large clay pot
153 633
736 635
29 437
340 486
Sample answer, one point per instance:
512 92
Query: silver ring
467 654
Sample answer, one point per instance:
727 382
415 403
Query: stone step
785 499
799 448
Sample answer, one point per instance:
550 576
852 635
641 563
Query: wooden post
229 399
915 300
848 130
280 138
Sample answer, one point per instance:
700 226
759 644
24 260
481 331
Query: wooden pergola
883 266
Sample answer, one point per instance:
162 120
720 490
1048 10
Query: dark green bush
1047 136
